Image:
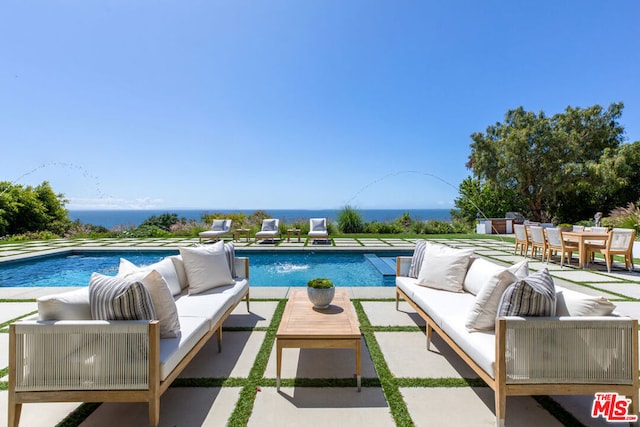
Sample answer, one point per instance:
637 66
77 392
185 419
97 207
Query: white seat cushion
173 350
437 303
480 346
212 304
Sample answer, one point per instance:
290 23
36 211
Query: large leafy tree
479 200
26 208
551 164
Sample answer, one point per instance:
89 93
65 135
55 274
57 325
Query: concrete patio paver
321 407
179 406
320 363
466 406
415 361
385 314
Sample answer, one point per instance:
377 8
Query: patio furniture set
585 241
519 332
101 344
269 230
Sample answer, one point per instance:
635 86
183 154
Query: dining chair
537 241
555 243
577 228
620 242
521 239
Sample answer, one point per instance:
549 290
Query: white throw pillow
479 273
165 267
73 305
444 267
163 301
182 274
206 269
482 316
571 303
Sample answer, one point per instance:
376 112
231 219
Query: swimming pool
277 268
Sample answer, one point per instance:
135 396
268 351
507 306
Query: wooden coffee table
302 326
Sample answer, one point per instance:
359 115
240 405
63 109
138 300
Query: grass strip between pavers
396 403
246 400
8 322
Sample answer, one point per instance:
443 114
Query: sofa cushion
482 316
211 304
165 267
173 350
572 303
533 296
72 305
206 268
115 298
416 259
444 267
163 302
479 346
437 303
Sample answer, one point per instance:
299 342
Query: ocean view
112 218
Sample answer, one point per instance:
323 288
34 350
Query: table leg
358 364
278 363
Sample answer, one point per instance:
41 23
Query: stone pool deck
432 388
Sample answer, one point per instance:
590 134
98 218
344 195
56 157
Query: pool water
265 269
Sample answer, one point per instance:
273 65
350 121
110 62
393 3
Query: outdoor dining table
582 237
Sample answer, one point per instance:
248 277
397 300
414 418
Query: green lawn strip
397 405
17 300
246 400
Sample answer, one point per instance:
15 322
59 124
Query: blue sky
290 104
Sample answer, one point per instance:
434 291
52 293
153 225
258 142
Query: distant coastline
112 218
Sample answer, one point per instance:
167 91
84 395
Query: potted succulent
320 292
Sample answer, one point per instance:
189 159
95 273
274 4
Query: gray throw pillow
416 259
534 295
114 298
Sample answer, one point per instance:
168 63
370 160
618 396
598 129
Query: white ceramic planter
321 298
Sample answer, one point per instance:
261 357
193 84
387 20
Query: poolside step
383 265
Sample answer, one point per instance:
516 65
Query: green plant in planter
320 292
320 283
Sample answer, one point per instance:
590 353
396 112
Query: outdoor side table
240 231
293 231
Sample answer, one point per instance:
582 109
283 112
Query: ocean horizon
135 217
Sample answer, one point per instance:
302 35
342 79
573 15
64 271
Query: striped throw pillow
115 298
416 259
534 295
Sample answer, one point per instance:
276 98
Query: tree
478 199
24 209
550 164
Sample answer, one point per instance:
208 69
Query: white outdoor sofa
573 353
84 360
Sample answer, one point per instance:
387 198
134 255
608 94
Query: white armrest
242 267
